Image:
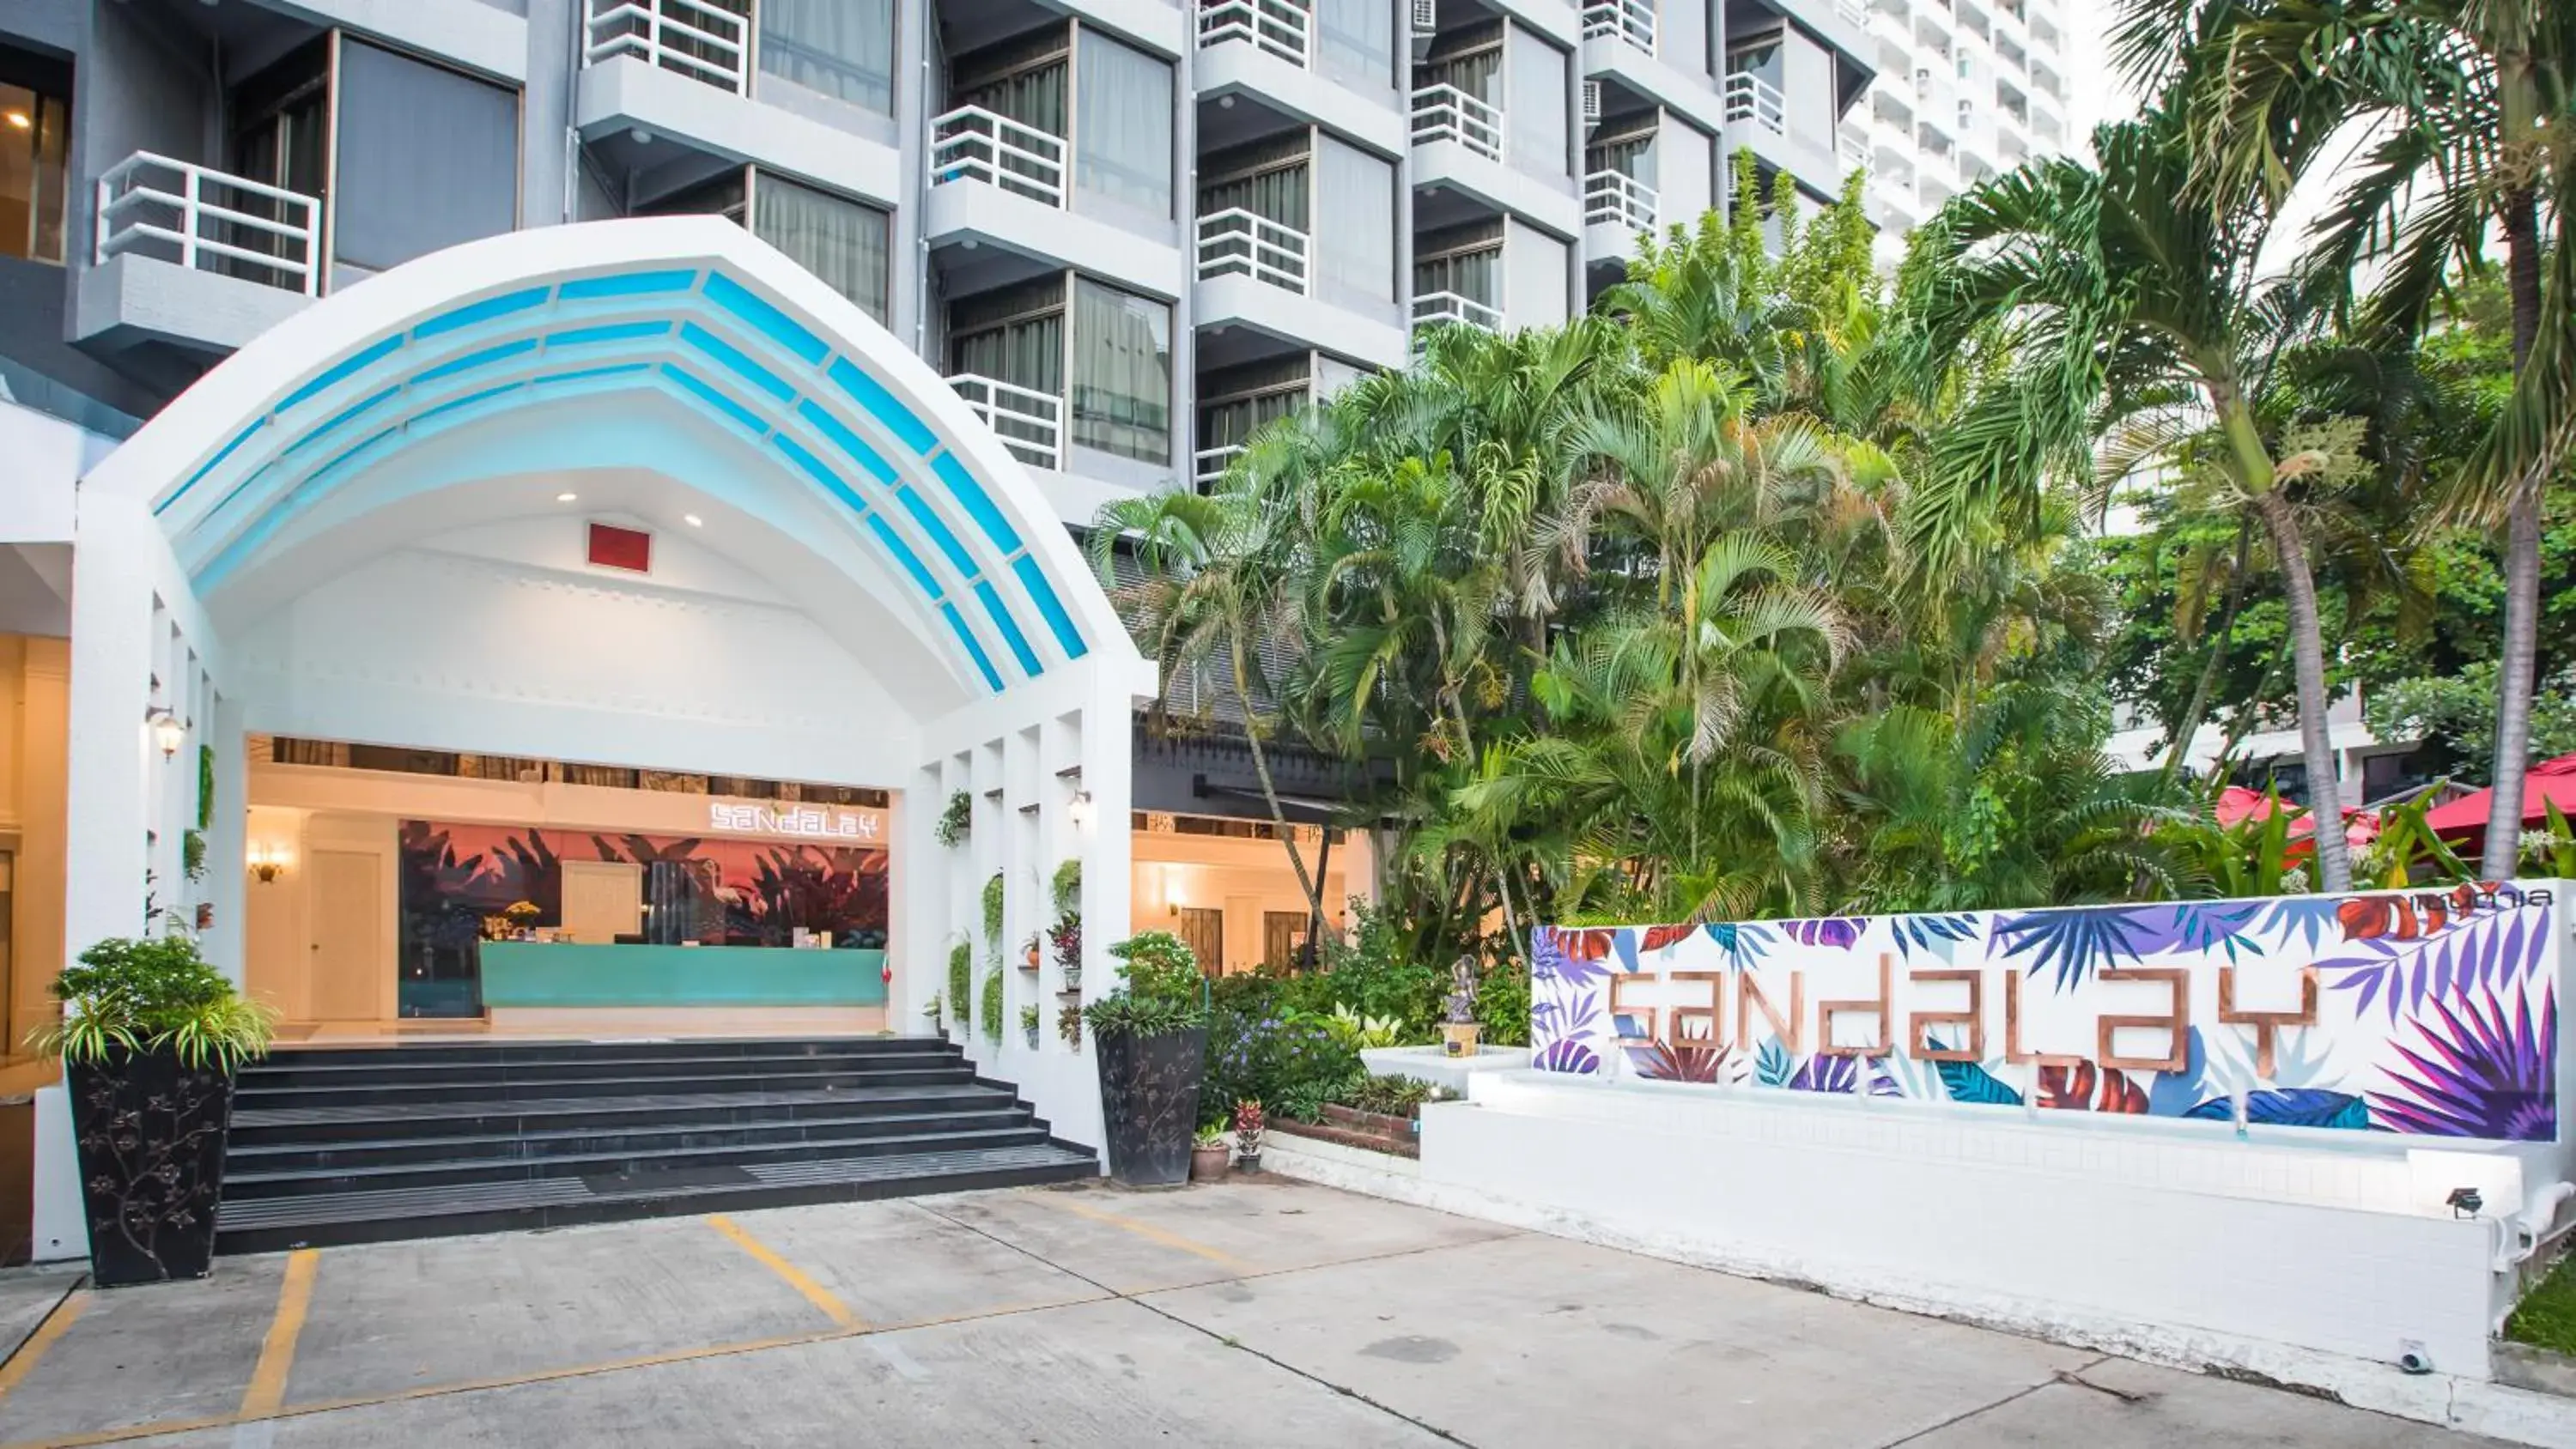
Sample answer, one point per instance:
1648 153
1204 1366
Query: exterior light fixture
19 120
167 730
1078 810
266 861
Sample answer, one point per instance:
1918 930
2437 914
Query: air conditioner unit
1426 18
1592 103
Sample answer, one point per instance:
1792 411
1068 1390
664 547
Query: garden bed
1350 1127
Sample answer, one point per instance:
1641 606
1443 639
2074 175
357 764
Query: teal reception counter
545 974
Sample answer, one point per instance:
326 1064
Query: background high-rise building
1965 89
1130 231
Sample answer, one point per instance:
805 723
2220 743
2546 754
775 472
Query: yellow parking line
815 1293
277 1355
1147 1231
56 1324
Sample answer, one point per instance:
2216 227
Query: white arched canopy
809 482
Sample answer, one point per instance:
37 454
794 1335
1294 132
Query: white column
226 856
108 767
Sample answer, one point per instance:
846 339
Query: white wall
1684 167
1535 279
500 640
1244 878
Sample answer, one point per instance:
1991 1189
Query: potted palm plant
150 1037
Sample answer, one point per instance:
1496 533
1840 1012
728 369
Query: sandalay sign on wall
805 822
2431 1013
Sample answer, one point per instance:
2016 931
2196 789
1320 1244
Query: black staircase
359 1144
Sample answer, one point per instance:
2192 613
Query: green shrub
1067 886
989 1006
152 994
1159 966
1268 1054
1503 1004
955 820
1369 972
961 979
1388 1096
993 916
1127 1014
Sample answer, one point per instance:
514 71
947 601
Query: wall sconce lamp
168 731
1078 810
266 862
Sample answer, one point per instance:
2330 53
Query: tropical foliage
155 994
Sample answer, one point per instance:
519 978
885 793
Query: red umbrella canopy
2548 781
2237 803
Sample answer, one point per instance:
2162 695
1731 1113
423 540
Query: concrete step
337 1077
261 1225
244 1186
313 1121
391 1088
626 1048
629 1137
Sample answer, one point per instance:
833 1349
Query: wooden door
1203 927
349 963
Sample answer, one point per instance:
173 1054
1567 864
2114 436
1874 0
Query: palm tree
2472 104
1216 581
2124 294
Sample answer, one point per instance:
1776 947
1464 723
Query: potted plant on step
150 1037
1149 1042
1208 1153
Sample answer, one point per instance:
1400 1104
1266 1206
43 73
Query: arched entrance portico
368 526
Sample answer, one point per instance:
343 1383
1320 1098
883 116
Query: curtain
1473 73
1279 194
1627 155
1122 373
842 48
1122 131
1356 41
1032 97
840 241
1225 424
1535 115
1355 192
1475 275
1027 352
428 158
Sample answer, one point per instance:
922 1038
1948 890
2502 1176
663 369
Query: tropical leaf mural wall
2428 1013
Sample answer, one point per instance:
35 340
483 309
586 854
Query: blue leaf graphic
2307 1107
1969 1082
1772 1065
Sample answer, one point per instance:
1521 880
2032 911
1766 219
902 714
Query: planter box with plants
1149 1044
1377 1114
150 1037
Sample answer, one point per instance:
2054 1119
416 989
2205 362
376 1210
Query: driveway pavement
1253 1313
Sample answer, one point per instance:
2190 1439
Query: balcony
1030 423
1281 27
1751 98
973 144
1209 464
1434 309
1632 21
689 37
1616 199
194 256
1446 113
1238 243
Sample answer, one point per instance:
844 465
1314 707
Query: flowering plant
1066 937
1248 1126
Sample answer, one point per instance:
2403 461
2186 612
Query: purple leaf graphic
2485 1069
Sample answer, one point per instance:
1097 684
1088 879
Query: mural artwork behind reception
457 878
2432 1013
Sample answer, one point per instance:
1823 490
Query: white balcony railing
1445 113
1853 12
1437 307
1029 422
1211 464
1630 20
973 144
1614 198
1281 27
1854 145
696 39
1239 243
1751 98
203 218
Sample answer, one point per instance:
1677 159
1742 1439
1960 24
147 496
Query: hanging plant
955 821
205 787
991 1006
1068 887
961 981
993 918
192 853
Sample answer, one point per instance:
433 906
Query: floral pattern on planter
151 1139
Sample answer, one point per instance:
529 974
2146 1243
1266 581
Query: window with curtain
1466 260
839 240
1355 202
1476 72
842 48
1122 131
1535 114
1759 59
427 158
1121 398
1629 155
1355 41
1025 79
1014 335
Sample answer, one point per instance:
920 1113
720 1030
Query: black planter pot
1149 1104
151 1137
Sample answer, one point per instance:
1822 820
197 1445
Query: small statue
1462 990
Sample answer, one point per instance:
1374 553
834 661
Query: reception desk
520 975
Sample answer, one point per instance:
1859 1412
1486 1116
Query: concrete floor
1253 1313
